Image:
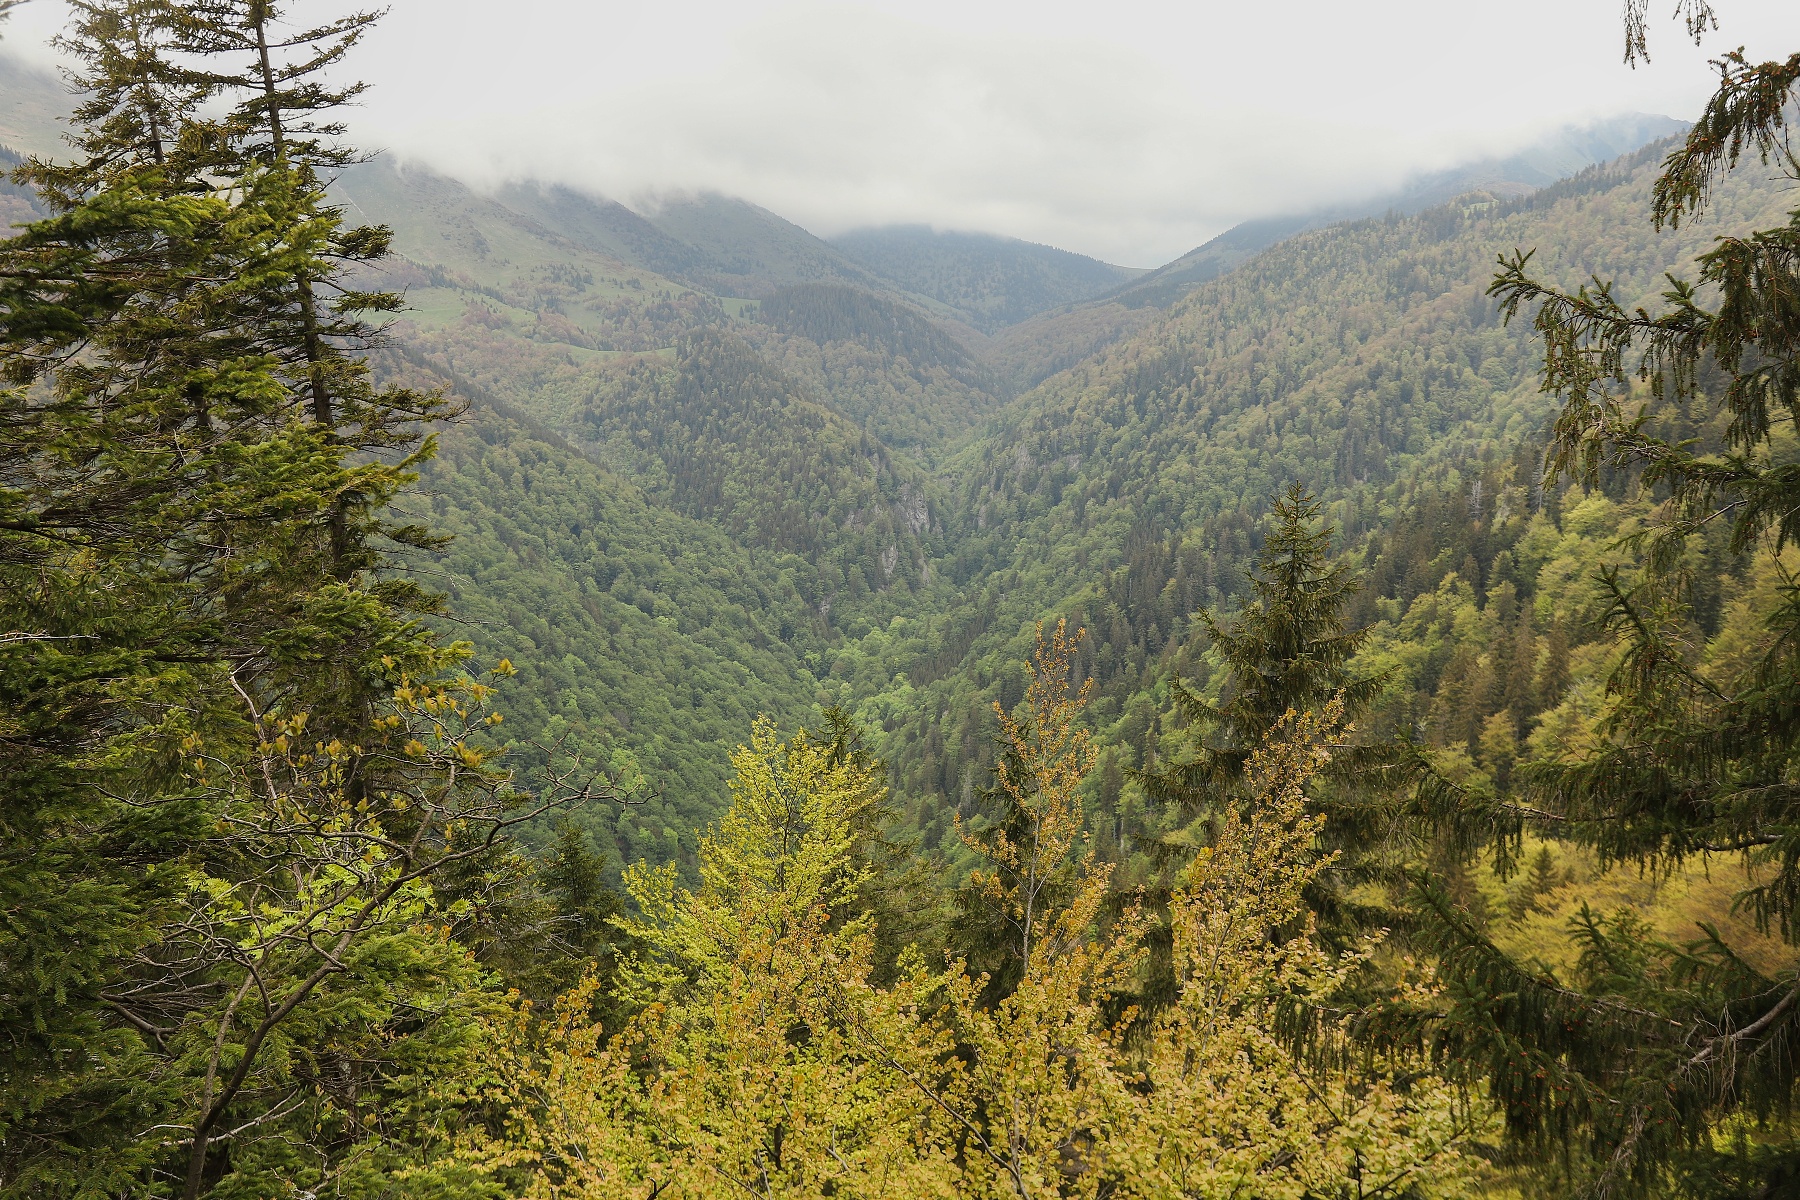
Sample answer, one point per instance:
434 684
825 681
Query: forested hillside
849 443
907 380
831 421
990 282
643 640
1363 360
1127 489
514 695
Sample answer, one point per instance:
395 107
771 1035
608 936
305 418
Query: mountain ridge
990 280
715 466
1555 156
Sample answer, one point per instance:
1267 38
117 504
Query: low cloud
1076 146
1132 131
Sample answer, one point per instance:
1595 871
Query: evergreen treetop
1650 1049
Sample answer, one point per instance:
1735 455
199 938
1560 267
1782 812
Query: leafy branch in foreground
316 893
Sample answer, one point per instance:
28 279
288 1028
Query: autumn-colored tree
1226 1109
1061 1096
1032 822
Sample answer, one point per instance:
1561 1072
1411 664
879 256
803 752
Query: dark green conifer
231 756
1653 1049
902 893
1289 650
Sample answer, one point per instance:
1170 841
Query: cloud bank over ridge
1131 131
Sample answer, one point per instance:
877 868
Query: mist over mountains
519 678
812 420
985 279
1555 157
794 434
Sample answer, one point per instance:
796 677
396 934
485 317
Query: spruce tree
232 757
156 516
283 116
1649 1052
1289 651
900 892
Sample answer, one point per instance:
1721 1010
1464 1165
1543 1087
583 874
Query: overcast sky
1128 129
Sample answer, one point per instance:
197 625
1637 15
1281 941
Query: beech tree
764 1060
752 1064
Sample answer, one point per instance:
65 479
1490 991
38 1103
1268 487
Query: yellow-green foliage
763 1060
1532 908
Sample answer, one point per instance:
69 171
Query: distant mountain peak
989 280
1552 157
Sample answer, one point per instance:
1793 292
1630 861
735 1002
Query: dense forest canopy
506 695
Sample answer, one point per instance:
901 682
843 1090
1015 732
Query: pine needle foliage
233 758
1649 1051
1289 650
